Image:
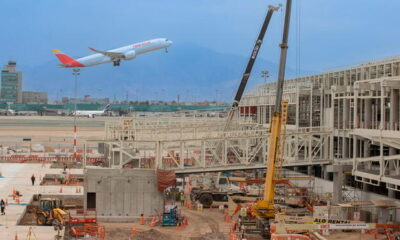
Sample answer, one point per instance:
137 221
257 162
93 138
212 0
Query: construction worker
182 198
3 207
33 179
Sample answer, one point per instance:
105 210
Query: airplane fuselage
90 114
138 48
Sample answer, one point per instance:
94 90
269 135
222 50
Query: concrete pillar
366 153
346 112
338 177
310 170
325 173
367 113
392 171
394 109
345 147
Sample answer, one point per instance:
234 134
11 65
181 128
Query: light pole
76 73
265 75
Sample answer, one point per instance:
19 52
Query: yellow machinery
49 212
264 210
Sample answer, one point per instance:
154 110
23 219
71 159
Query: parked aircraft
92 114
114 55
8 111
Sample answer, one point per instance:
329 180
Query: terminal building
11 88
11 84
353 115
29 97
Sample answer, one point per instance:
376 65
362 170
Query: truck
213 190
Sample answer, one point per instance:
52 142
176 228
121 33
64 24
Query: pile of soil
211 236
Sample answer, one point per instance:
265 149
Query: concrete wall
123 194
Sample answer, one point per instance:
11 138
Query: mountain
188 70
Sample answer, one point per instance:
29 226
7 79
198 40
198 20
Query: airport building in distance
11 88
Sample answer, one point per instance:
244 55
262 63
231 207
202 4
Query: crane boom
265 207
253 56
250 64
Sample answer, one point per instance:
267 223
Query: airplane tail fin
66 61
107 108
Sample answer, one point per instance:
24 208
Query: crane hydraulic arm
265 208
249 67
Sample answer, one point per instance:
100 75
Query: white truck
212 190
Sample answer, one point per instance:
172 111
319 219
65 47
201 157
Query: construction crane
264 209
249 67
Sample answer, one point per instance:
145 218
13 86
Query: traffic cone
134 230
227 218
153 222
61 189
16 236
142 222
210 209
178 227
17 200
185 221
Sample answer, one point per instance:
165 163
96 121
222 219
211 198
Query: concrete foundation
122 194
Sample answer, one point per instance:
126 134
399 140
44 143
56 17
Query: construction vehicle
264 210
171 216
50 212
213 190
209 197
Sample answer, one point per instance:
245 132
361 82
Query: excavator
49 212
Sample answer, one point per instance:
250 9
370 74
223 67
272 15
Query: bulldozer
50 212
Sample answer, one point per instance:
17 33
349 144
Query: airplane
92 114
8 111
114 55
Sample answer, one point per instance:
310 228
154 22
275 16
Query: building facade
359 109
11 84
34 97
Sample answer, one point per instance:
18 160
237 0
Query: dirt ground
202 226
29 218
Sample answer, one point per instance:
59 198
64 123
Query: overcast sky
330 33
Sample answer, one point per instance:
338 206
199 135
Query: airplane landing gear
166 50
117 63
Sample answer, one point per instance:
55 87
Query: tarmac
17 176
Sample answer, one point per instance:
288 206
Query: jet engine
130 55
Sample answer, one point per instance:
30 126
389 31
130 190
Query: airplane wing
112 55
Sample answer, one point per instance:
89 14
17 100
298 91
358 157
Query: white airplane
91 113
8 111
114 55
